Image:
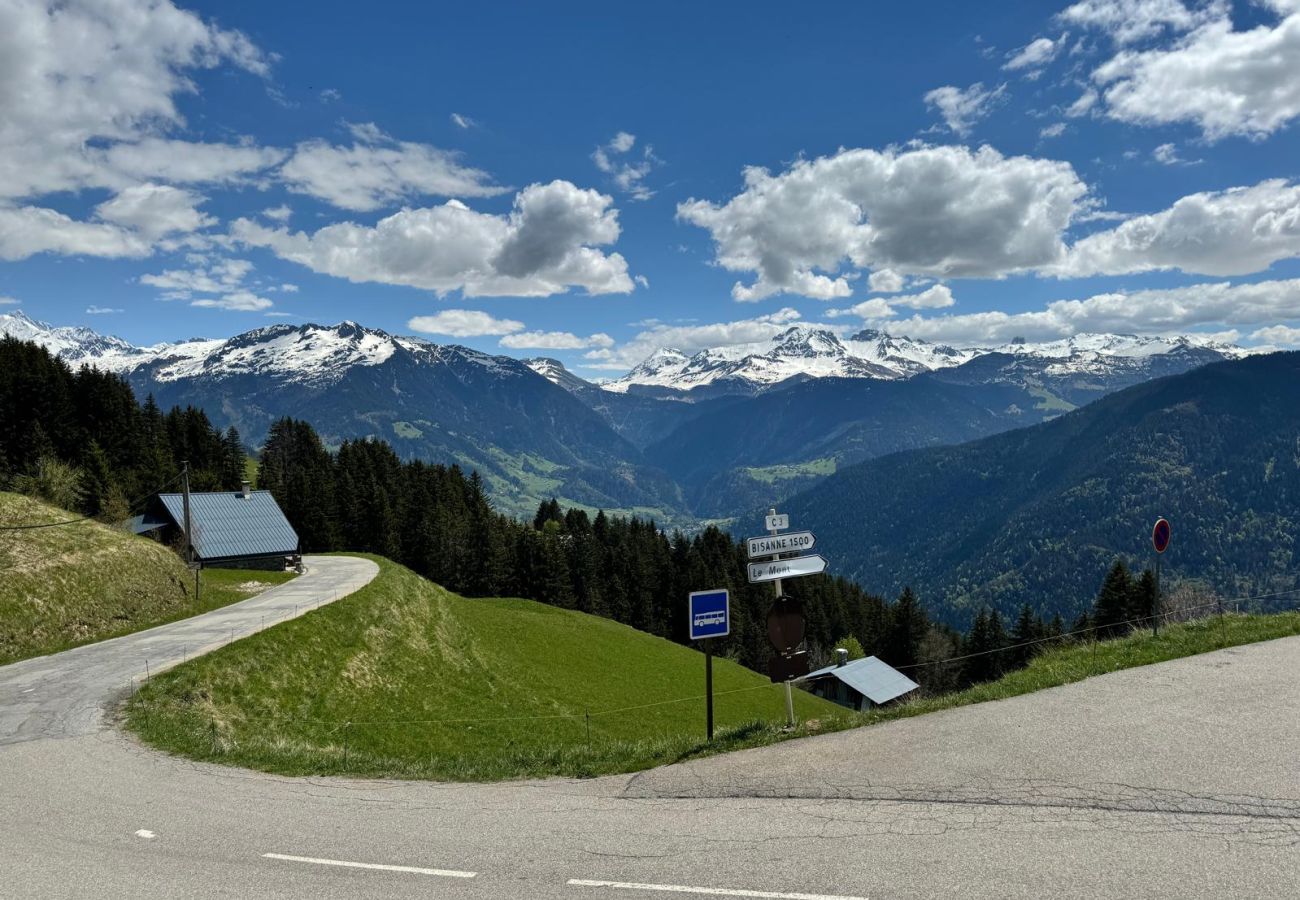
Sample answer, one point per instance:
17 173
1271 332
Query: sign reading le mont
772 544
786 568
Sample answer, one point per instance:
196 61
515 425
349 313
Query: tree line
80 440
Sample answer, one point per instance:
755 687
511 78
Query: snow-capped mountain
71 344
804 351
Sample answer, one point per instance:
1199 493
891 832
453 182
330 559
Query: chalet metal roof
229 526
873 678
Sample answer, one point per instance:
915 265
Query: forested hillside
1033 516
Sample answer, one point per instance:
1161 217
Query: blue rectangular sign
710 614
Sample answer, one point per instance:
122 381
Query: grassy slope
403 650
79 583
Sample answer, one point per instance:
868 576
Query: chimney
247 491
841 657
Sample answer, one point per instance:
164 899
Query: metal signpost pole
710 617
708 688
776 586
1160 535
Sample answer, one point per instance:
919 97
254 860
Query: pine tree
1111 609
907 628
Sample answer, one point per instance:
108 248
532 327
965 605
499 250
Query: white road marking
441 873
713 892
146 834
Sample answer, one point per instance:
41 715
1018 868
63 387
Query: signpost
710 617
1160 534
785 622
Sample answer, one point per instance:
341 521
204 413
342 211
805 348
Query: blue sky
570 180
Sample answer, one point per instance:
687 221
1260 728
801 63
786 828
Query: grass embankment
75 584
1075 662
442 687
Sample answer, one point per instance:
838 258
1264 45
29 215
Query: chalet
860 684
244 529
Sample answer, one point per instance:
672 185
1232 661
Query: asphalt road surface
1175 780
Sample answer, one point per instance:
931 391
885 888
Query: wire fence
580 723
131 507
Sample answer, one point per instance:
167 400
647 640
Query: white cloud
1278 335
186 162
279 213
464 122
1036 54
154 210
1130 21
931 211
690 338
287 288
28 230
377 171
94 310
885 281
628 173
1232 232
78 77
1223 81
1150 312
220 277
1081 107
8 301
554 340
937 297
544 246
238 301
875 308
962 108
642 281
463 323
1054 130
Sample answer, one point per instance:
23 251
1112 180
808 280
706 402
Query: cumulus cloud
875 308
555 340
76 78
154 210
545 245
962 108
929 211
885 281
1278 335
1131 21
938 296
1082 106
690 338
1223 81
377 171
1054 130
1232 232
1149 312
220 284
188 162
279 213
1036 54
238 301
627 171
28 230
463 323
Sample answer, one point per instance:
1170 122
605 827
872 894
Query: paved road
65 694
1176 780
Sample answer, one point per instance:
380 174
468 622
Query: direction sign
778 522
786 625
710 614
793 567
772 544
1160 535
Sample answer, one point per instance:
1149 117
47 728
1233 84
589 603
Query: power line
130 506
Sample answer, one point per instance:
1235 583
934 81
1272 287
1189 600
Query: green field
405 679
813 468
84 582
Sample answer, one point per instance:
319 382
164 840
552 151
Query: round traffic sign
786 624
1160 535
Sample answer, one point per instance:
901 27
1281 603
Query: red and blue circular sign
1160 535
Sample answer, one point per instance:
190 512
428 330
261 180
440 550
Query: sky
592 181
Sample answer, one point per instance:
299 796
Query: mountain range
1038 514
680 437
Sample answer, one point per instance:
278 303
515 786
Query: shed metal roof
226 525
873 678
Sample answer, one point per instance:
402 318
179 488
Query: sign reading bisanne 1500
772 544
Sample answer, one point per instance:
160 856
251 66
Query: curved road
1175 780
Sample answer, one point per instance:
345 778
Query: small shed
860 684
242 529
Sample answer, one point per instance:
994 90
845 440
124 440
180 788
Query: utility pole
189 534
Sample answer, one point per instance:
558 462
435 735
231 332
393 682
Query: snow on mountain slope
810 352
307 354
